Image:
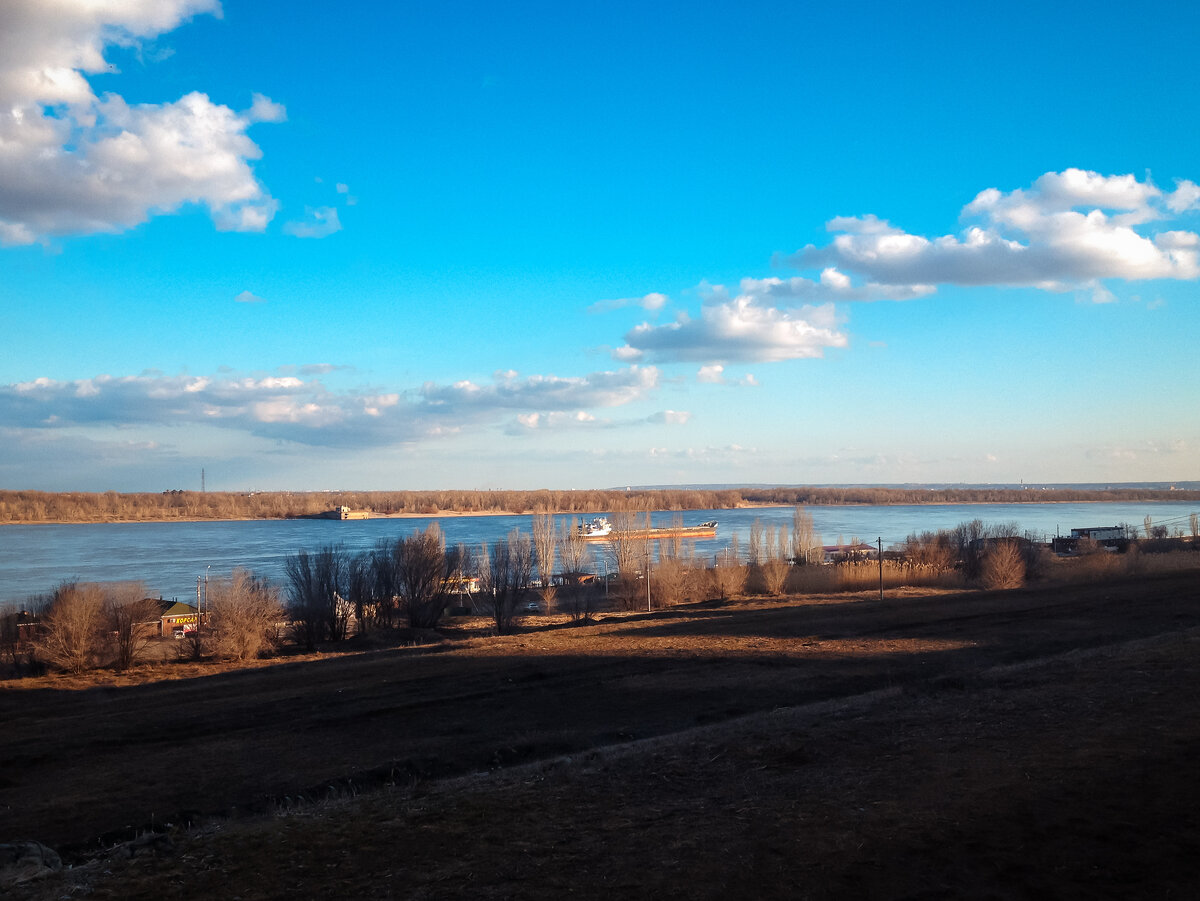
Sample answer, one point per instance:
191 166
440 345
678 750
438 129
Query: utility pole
202 481
647 576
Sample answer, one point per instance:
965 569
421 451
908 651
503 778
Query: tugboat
599 527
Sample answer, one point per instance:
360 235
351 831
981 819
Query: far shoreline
459 514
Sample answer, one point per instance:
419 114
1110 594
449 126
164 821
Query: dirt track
81 767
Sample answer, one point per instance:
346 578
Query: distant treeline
882 496
110 506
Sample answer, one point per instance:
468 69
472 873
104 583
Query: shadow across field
80 768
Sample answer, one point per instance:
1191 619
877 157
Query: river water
170 557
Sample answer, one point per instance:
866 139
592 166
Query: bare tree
573 548
244 613
931 552
628 542
1148 523
316 590
131 620
423 571
670 581
509 569
360 589
775 568
729 573
465 568
756 551
544 546
576 556
806 541
10 635
385 590
72 627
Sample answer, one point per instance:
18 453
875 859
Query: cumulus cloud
321 222
555 419
671 417
248 297
714 374
1067 231
561 420
545 392
832 285
264 109
740 330
75 163
651 302
304 410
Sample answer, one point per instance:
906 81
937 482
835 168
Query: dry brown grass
1103 566
977 780
864 576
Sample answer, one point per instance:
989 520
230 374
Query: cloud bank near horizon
305 411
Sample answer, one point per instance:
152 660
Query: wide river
169 557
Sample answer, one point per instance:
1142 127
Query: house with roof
178 617
839 553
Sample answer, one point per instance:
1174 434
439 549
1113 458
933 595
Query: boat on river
601 529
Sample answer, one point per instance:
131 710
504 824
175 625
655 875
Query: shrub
1003 566
774 575
244 613
72 627
669 582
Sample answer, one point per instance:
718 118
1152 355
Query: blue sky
573 245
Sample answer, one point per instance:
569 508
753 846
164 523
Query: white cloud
75 163
651 302
264 109
542 392
832 285
322 222
671 417
1068 230
556 419
1185 197
740 330
304 410
712 374
248 297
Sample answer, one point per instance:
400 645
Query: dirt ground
993 745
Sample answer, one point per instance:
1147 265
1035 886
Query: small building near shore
177 615
1110 538
1099 533
840 553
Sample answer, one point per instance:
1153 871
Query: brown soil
1018 744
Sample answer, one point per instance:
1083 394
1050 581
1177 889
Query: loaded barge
600 529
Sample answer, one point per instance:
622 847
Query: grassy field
991 745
